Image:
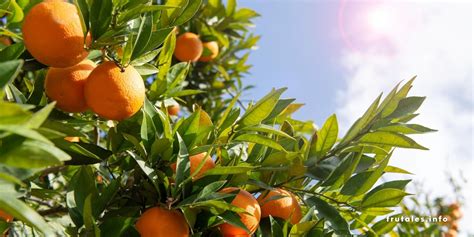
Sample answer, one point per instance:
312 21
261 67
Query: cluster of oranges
189 47
454 214
164 222
53 35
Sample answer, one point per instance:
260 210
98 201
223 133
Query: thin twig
52 211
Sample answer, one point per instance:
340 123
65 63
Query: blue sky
341 70
299 49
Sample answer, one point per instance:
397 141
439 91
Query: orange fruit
99 179
161 222
195 160
173 110
454 206
456 214
210 52
66 86
250 218
280 203
113 94
188 47
72 139
5 216
5 40
454 225
451 233
53 34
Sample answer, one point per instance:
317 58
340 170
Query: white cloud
433 41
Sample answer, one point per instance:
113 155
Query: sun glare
380 19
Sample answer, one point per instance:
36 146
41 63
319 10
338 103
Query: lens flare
380 19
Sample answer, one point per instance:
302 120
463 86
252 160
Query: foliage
100 185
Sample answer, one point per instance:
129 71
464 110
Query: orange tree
93 142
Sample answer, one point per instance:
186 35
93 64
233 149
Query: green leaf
157 38
233 219
225 170
183 166
82 153
82 186
164 60
257 113
327 136
188 9
146 69
32 154
267 129
259 139
406 129
12 52
231 6
37 95
116 226
383 226
8 71
227 111
387 197
135 12
281 106
343 171
300 229
393 169
382 138
362 182
16 12
396 184
407 106
145 57
329 213
177 74
211 188
391 105
21 211
83 10
100 17
182 93
127 51
244 14
24 132
361 123
40 117
144 35
147 170
89 221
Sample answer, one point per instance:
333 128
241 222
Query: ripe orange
66 86
173 110
454 206
72 139
5 40
451 233
53 34
113 94
250 218
188 47
456 214
210 52
280 203
5 216
161 222
454 225
195 160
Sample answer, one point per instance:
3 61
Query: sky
336 56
